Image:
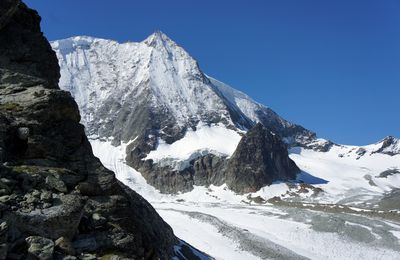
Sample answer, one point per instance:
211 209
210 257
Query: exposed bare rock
260 159
23 48
56 198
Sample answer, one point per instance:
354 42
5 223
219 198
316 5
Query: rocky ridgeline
260 158
56 199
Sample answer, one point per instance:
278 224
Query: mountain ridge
225 90
153 95
190 70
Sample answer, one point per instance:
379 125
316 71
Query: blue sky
331 66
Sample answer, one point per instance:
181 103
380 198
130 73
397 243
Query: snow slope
343 179
349 177
250 108
215 139
230 226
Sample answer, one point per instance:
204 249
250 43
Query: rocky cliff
260 159
56 198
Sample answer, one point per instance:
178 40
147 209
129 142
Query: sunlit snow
215 139
224 225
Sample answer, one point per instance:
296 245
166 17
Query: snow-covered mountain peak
389 139
155 82
389 145
166 55
159 38
156 77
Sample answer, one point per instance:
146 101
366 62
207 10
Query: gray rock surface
40 247
21 45
260 159
57 200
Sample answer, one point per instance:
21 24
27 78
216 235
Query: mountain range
181 127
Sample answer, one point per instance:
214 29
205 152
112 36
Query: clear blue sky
331 66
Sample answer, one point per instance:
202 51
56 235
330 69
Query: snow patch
214 139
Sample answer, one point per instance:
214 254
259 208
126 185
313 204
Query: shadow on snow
305 177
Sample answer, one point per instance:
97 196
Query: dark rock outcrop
56 198
202 171
260 159
209 169
320 145
21 45
390 146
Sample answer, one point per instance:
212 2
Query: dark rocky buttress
56 198
260 159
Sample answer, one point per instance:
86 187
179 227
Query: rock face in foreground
56 198
21 44
260 159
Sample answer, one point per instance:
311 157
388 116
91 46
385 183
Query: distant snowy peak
160 40
166 51
388 146
154 87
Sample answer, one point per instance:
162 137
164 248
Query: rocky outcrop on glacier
56 199
260 159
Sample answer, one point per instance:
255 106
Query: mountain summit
153 96
158 38
125 84
179 125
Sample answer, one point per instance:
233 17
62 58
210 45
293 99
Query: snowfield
348 179
215 139
229 226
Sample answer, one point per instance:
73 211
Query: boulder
40 247
65 246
